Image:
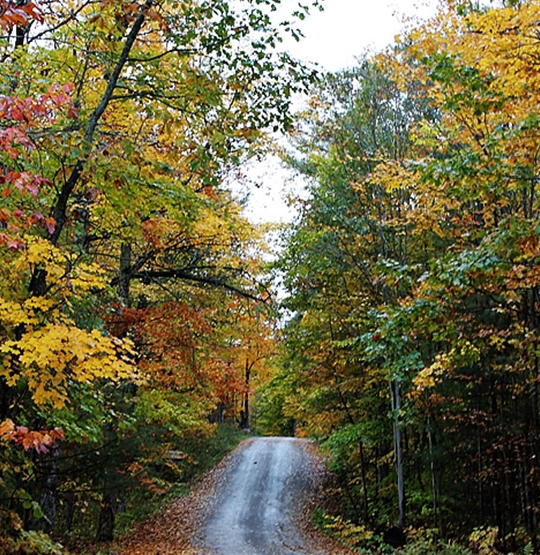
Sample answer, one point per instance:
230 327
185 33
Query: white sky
346 28
333 40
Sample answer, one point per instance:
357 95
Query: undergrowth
361 539
165 481
174 479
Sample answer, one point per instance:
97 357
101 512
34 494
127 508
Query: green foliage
430 546
363 540
271 418
413 283
16 541
358 538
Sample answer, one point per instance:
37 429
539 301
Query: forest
147 325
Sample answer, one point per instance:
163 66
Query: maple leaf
39 441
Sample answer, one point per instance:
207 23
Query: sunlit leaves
48 357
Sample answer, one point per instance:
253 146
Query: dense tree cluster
132 289
132 311
412 272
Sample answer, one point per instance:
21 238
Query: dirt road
255 506
256 501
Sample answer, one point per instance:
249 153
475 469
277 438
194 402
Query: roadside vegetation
135 312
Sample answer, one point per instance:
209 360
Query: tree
346 254
442 257
119 123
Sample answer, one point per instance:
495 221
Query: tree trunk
437 517
364 479
109 505
48 496
125 274
70 503
4 399
479 470
59 210
107 515
220 412
244 420
398 452
360 452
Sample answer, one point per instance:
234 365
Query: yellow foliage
463 353
42 345
50 357
14 314
65 273
428 377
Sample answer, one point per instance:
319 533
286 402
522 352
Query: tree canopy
134 308
136 303
412 278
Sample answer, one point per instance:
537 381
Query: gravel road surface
256 505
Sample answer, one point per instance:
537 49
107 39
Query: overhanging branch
182 274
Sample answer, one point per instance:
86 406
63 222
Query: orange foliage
168 336
39 441
18 13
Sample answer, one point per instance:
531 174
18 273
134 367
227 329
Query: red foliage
39 441
20 116
14 13
123 320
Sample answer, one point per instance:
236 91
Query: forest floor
257 500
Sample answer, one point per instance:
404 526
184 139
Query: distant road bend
255 506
